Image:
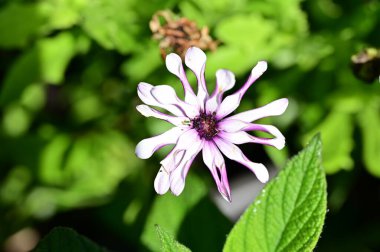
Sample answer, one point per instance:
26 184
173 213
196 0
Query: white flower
202 123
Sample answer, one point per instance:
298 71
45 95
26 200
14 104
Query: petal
174 65
180 121
178 176
173 159
144 92
265 128
162 182
215 162
225 80
228 105
235 126
256 72
231 102
148 146
166 95
195 59
231 125
177 183
212 104
274 108
234 153
242 137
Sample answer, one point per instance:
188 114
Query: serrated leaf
62 239
289 213
168 243
369 122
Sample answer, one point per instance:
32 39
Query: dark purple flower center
206 125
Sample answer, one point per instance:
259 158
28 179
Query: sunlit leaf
52 159
289 213
54 55
111 24
253 30
242 35
62 14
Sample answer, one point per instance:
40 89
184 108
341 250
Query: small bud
366 65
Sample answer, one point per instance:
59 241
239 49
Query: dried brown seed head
178 34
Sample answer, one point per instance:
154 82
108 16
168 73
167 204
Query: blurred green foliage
69 71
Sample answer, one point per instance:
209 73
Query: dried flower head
202 122
178 34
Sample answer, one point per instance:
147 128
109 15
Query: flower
202 123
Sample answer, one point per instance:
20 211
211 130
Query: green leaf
74 173
168 243
369 122
111 23
66 239
240 50
143 63
54 56
46 62
289 213
259 30
24 72
63 14
19 23
16 120
207 13
336 131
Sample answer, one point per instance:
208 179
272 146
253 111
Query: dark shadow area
197 228
356 225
